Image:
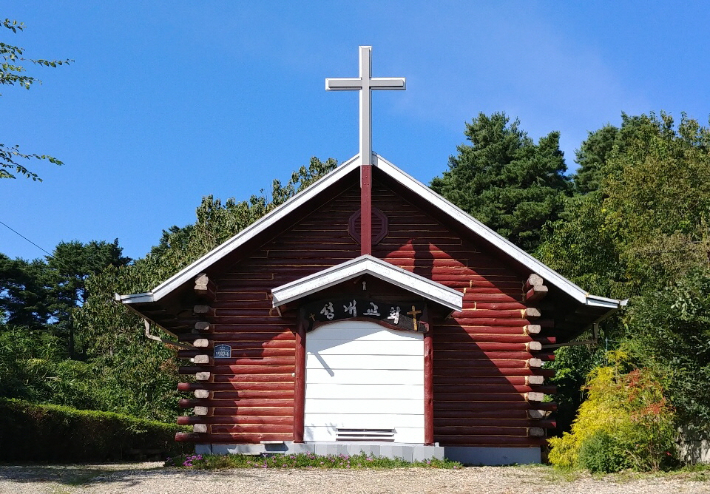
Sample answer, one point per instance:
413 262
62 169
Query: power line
21 235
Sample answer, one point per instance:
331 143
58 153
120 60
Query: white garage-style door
364 382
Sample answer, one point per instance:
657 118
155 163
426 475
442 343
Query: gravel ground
152 478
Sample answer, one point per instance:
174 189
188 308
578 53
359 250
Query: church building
370 314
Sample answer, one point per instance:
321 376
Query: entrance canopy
368 265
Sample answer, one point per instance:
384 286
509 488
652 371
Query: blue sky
167 102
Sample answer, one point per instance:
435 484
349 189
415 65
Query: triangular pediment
368 265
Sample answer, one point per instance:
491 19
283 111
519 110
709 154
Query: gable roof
422 191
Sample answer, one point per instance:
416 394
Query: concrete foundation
408 452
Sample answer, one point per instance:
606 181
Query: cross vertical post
365 83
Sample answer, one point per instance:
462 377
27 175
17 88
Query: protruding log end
203 310
204 287
202 394
203 327
531 313
533 346
534 380
202 376
199 428
202 360
202 343
536 432
532 329
530 396
202 411
535 294
537 414
534 363
533 280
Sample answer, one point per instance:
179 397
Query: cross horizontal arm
387 83
354 84
343 84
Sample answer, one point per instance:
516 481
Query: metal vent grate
380 435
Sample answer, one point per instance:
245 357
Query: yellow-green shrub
625 418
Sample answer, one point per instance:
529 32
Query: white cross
364 84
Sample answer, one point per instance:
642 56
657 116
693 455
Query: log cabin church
370 314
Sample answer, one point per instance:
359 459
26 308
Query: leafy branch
12 73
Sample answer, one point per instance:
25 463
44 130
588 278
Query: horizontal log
251 410
190 437
493 440
231 438
449 383
471 391
235 386
252 429
455 407
470 301
261 338
474 313
442 340
483 346
443 357
255 402
254 393
472 321
239 353
234 419
450 328
233 370
242 378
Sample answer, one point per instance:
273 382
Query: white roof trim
251 231
407 181
136 298
378 268
489 235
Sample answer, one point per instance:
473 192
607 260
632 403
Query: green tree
12 73
505 180
641 226
133 374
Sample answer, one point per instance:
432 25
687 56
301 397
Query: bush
602 453
625 420
62 434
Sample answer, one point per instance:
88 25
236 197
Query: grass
301 460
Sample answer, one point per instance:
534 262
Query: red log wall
479 355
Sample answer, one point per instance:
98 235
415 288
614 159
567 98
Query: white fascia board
487 234
611 303
136 298
252 230
378 268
